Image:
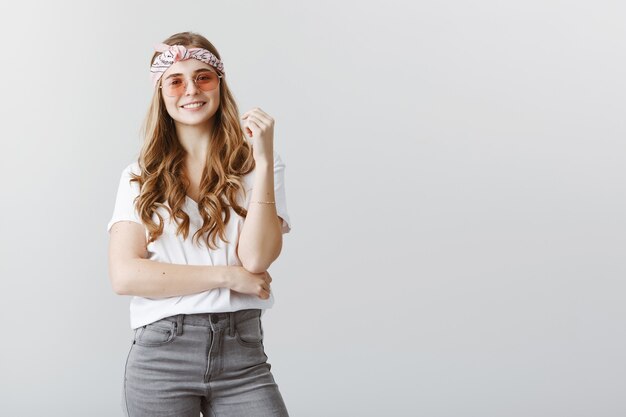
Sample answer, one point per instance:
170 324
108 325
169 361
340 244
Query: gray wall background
455 179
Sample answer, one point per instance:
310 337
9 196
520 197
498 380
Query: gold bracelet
264 202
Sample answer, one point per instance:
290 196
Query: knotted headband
175 53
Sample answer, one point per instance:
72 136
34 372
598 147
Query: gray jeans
213 363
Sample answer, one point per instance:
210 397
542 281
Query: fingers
264 291
258 113
256 110
254 126
266 284
260 118
257 120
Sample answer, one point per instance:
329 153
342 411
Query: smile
193 105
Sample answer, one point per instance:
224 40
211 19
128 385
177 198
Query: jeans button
214 319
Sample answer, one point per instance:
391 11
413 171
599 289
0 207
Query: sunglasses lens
205 81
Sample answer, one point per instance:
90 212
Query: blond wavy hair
162 157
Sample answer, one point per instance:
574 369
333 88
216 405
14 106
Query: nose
191 87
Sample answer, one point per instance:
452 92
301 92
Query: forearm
147 278
260 240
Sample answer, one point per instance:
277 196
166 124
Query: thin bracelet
264 202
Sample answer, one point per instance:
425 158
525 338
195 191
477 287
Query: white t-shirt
174 249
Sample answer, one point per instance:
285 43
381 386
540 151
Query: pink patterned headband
175 53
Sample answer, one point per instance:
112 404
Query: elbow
255 266
258 264
259 260
118 286
119 281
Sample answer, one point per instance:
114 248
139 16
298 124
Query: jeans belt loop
232 323
179 324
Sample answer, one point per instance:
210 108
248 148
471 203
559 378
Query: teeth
193 106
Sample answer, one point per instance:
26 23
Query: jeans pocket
159 333
249 333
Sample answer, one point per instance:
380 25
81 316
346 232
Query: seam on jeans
246 343
125 367
265 354
211 409
161 326
171 332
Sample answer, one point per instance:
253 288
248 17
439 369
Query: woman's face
186 71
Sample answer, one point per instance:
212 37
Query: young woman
198 219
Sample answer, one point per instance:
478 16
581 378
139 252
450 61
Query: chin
200 119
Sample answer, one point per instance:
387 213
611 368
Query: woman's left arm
261 239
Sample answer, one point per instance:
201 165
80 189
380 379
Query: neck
195 140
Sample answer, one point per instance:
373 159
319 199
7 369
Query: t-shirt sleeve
280 194
124 201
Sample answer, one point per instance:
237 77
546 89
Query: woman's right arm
132 274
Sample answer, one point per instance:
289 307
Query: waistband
215 321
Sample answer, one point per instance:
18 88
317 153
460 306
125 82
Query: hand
246 282
259 126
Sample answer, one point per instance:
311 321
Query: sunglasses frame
219 77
